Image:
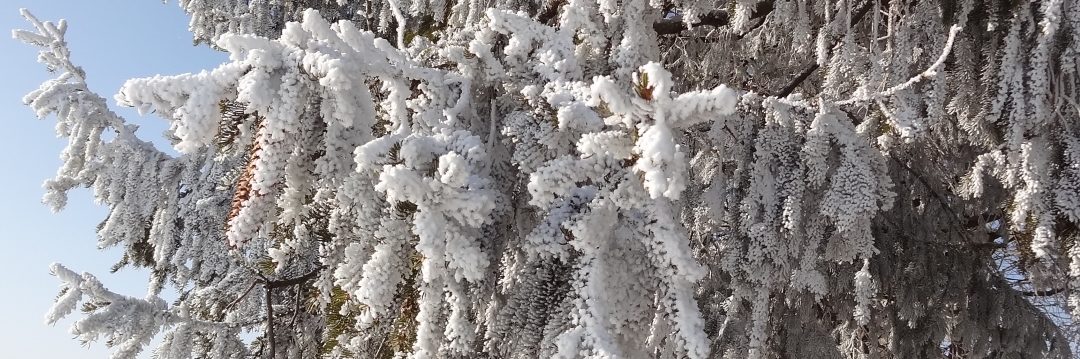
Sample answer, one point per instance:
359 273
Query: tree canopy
589 179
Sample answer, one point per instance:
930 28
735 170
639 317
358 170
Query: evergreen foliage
590 179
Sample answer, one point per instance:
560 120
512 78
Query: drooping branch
798 80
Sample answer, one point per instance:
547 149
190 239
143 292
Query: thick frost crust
590 179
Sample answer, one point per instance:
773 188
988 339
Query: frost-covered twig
928 73
268 337
856 18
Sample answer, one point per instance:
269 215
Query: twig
296 309
270 284
763 9
246 292
270 322
787 90
942 201
930 72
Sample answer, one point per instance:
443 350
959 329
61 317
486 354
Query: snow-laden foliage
590 179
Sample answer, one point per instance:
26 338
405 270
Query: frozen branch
675 24
805 74
293 281
928 73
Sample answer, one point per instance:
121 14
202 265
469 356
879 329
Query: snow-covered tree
590 179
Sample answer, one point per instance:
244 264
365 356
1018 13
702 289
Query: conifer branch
242 296
798 80
675 25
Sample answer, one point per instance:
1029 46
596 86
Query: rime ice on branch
590 179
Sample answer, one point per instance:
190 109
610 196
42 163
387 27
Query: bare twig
246 292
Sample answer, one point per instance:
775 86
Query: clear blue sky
113 41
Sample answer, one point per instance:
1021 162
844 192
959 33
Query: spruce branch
805 74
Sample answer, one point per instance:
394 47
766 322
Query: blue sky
113 41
